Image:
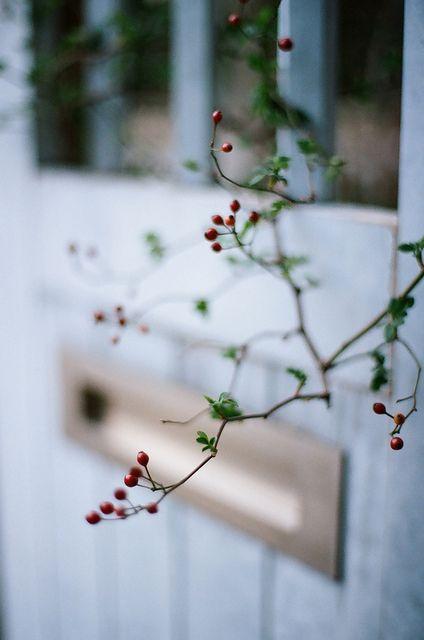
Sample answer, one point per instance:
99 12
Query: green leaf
299 374
154 245
202 307
191 165
334 168
230 352
380 373
224 407
308 147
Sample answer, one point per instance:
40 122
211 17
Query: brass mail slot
271 480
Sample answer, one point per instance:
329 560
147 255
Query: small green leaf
300 375
202 307
154 245
230 352
191 165
380 373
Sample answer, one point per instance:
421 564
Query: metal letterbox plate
271 480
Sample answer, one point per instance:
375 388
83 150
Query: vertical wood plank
402 614
311 64
192 78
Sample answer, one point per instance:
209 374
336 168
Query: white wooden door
149 579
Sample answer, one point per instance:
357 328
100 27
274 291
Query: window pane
111 70
368 109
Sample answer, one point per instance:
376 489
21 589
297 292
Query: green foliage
209 443
275 209
224 407
334 168
397 312
271 170
416 248
299 374
380 373
230 352
191 165
289 263
154 245
202 307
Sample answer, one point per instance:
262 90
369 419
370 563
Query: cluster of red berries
131 480
118 317
396 442
229 222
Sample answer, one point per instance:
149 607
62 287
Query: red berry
226 147
235 206
135 471
120 494
399 419
217 116
120 512
285 44
218 220
115 339
211 234
106 507
254 217
99 316
119 309
230 221
234 19
396 443
379 407
122 322
142 458
93 517
143 328
131 481
152 507
216 247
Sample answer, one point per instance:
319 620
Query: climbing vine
234 233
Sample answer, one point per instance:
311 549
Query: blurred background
105 124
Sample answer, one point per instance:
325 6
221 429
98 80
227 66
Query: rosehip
135 471
119 309
379 407
217 220
235 206
226 147
143 328
93 517
120 512
217 116
230 221
285 44
399 419
131 481
106 508
396 443
99 316
234 19
254 217
120 494
211 234
216 247
152 507
142 458
122 322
